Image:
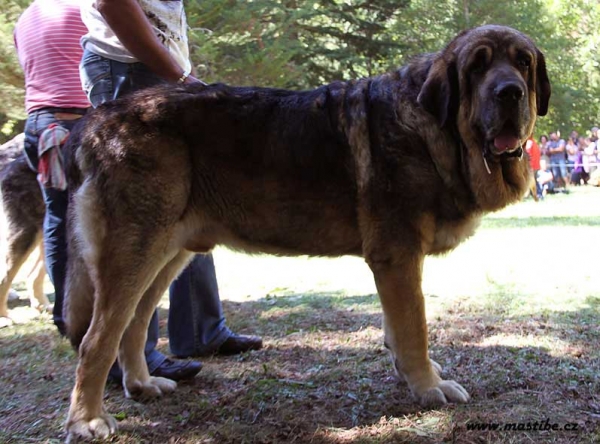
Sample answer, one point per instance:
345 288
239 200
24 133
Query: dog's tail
78 304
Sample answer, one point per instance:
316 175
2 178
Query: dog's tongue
505 141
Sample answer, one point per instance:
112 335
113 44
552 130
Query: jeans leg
538 188
153 357
55 248
56 202
104 80
196 320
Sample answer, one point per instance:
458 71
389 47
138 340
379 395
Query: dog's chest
448 235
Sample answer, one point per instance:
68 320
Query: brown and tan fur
21 217
390 168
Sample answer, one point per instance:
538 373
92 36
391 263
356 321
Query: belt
64 113
67 116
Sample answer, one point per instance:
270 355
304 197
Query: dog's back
10 150
21 217
22 200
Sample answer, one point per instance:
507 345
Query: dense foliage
304 43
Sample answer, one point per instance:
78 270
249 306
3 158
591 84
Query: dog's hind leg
123 217
35 283
123 259
16 248
398 278
78 304
119 288
137 381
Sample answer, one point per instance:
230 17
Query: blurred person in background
558 162
534 155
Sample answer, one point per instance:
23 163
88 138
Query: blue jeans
54 234
196 320
559 167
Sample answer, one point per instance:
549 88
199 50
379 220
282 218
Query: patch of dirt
324 377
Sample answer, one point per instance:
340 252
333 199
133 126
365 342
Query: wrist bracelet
184 76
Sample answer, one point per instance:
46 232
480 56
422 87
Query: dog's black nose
509 91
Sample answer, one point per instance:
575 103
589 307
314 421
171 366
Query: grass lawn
514 316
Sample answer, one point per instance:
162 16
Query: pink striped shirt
47 39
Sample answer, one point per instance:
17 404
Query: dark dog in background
391 168
21 217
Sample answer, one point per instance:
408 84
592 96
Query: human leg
556 172
563 172
55 248
56 201
196 320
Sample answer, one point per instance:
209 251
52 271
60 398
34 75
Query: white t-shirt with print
168 22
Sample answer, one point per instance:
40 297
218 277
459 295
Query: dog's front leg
137 381
398 280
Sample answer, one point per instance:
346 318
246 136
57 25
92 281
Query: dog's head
490 82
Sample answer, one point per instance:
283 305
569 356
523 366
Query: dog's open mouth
505 142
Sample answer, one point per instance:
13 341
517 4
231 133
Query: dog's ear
542 85
439 93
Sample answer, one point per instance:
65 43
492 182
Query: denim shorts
105 79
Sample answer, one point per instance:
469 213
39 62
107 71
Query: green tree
305 43
11 75
293 43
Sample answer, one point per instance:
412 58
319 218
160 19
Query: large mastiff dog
391 168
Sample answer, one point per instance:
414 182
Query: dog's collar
516 153
486 152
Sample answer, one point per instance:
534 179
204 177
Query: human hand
191 79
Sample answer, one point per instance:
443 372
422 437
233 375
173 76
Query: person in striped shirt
47 38
47 41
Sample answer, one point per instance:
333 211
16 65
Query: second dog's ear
439 93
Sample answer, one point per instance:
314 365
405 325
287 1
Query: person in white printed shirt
130 45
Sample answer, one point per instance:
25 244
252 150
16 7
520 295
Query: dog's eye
480 60
479 63
524 62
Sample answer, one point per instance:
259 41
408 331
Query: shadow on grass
324 377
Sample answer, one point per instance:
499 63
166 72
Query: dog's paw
97 428
44 308
443 393
436 367
5 321
155 387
